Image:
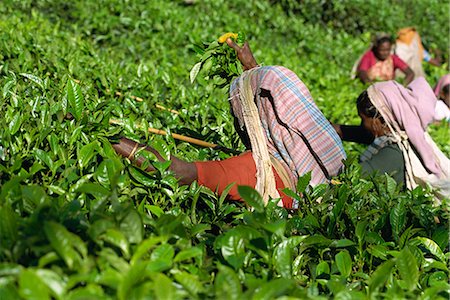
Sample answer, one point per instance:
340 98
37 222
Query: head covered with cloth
285 126
407 112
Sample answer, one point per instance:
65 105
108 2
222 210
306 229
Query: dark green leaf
233 249
251 197
381 275
188 254
282 259
68 245
227 284
303 182
132 227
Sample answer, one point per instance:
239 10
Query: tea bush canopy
79 222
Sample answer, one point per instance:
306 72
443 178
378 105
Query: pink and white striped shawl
292 106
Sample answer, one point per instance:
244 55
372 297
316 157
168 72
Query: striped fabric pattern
296 108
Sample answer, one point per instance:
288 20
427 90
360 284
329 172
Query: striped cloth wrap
290 103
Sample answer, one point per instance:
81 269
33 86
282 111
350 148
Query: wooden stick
168 109
139 99
174 135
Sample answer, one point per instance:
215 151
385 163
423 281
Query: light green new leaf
44 157
342 243
31 286
322 268
391 185
194 71
225 193
32 196
86 153
15 123
162 148
53 281
164 252
344 263
316 239
433 292
163 287
34 79
379 251
431 246
188 254
116 238
75 99
407 266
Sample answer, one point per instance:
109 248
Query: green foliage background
78 222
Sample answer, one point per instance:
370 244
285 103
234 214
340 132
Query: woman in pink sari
395 119
379 64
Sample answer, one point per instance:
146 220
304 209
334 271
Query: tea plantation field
79 222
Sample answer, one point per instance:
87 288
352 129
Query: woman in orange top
410 49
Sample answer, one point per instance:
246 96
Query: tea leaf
381 275
251 197
408 268
227 283
344 263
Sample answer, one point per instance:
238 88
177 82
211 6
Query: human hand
244 54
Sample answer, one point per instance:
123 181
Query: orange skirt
241 170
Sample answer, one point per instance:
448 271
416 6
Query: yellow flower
335 182
224 37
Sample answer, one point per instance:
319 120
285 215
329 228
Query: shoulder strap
266 94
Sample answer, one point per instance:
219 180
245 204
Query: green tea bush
79 222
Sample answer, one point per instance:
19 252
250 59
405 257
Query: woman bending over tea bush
286 134
394 119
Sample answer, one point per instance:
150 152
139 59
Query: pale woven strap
265 179
399 135
283 173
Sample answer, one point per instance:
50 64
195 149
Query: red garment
369 60
216 175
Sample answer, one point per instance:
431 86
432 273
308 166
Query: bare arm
435 62
244 54
363 76
186 172
353 133
409 75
